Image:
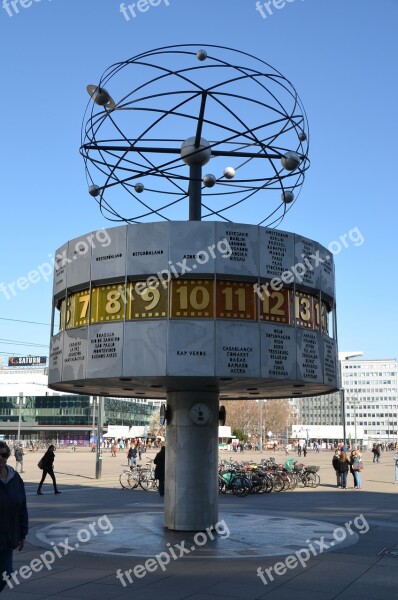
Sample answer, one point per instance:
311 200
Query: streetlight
262 403
353 400
100 421
20 402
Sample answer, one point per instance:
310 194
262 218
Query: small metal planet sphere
139 187
287 196
229 172
195 156
209 180
302 136
290 161
201 55
94 190
100 96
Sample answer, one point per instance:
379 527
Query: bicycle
307 476
231 481
143 476
147 478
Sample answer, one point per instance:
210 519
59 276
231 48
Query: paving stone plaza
98 540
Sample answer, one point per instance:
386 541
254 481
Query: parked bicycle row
238 478
263 478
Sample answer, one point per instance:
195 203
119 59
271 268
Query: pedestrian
159 461
356 468
13 514
114 449
336 467
132 455
299 450
287 448
305 450
344 465
378 452
47 464
19 454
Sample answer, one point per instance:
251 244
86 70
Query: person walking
336 467
47 464
344 465
13 515
299 450
305 450
160 462
378 452
19 454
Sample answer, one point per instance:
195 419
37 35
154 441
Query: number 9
151 295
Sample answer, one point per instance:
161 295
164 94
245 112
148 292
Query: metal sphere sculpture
145 148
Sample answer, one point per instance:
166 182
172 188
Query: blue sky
341 57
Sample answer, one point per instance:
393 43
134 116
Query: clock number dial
235 300
275 306
108 303
303 310
147 301
192 298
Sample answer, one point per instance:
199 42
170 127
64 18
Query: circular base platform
237 535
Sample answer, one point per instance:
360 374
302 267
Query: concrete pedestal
191 490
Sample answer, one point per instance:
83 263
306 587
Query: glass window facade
41 415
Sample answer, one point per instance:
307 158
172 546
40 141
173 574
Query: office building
33 412
371 401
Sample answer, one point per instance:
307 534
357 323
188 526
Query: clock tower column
191 483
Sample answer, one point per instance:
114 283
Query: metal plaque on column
108 259
75 354
243 243
276 252
309 356
192 248
105 350
237 349
79 261
55 362
191 348
278 352
60 269
147 248
330 362
145 349
307 271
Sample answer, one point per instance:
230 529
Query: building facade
371 400
32 412
366 407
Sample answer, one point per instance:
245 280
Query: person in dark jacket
48 469
13 515
336 466
159 461
344 465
